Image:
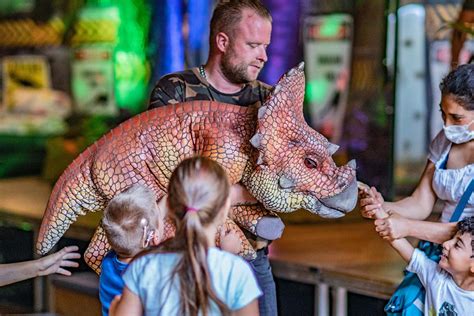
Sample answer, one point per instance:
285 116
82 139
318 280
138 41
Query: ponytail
198 190
194 278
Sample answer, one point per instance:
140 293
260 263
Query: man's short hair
228 14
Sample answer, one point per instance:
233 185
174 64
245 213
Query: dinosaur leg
97 249
258 221
247 252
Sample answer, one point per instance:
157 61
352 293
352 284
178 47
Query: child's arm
230 241
251 309
126 304
53 263
401 245
404 248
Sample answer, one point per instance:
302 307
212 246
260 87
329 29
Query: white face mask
458 134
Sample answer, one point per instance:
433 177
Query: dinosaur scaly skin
284 163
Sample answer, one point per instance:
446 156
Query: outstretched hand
370 200
391 227
55 262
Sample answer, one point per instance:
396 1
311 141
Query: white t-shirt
443 295
449 184
149 277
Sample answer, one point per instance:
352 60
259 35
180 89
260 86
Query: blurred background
70 70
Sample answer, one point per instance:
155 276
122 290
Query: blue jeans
263 272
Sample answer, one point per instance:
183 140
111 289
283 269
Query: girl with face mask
448 172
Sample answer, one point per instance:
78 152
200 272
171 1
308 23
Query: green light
25 226
330 26
317 90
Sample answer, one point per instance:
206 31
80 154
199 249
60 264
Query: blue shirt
110 281
149 277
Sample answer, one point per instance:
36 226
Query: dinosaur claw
261 112
276 89
256 140
301 65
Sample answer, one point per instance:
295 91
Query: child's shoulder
223 258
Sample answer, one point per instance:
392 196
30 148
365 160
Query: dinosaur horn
332 148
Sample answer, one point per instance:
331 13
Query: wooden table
339 256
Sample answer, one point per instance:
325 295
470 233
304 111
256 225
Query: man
240 34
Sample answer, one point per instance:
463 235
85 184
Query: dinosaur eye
310 163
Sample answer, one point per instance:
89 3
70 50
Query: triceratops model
271 151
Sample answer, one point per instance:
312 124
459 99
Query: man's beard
234 73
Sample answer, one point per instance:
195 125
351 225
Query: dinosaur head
293 166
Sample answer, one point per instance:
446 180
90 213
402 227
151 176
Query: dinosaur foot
270 227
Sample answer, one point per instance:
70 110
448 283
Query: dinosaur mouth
338 205
328 212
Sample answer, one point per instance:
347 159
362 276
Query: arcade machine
327 53
411 114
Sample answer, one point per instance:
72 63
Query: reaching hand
230 241
55 262
370 201
392 227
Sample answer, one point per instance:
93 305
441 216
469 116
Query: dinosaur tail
73 194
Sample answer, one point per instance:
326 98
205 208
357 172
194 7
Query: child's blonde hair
197 195
129 218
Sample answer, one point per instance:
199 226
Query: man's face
246 53
457 254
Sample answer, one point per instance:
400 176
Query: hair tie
191 209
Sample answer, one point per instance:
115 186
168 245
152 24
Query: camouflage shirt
189 85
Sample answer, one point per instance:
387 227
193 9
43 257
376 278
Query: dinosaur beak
343 202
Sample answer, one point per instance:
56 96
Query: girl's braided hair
467 226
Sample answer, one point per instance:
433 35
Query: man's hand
55 262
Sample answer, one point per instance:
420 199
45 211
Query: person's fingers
63 272
368 214
71 248
73 255
379 222
67 263
372 207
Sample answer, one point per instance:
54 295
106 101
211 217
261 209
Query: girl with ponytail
188 275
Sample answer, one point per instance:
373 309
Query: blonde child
131 223
188 275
